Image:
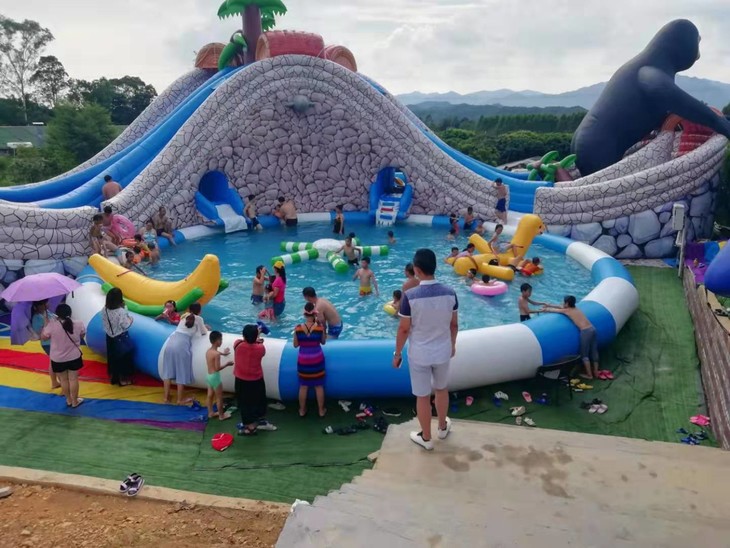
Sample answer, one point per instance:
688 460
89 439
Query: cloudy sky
406 45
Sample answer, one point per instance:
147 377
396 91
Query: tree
11 112
79 132
30 165
258 16
125 98
50 80
21 44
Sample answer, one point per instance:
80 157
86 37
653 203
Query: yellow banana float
146 291
528 228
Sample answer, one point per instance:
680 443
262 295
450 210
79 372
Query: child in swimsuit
391 238
453 255
469 218
501 207
367 278
524 301
170 313
215 385
257 289
250 212
395 303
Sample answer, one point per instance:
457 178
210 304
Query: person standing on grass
215 384
116 322
66 358
309 337
249 353
429 321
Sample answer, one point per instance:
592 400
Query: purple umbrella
37 287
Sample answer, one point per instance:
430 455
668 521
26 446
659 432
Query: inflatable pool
362 368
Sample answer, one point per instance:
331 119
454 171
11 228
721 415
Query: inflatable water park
282 114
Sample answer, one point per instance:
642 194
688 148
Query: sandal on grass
501 395
527 396
518 411
529 422
127 482
135 487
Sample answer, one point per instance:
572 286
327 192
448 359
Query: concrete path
498 485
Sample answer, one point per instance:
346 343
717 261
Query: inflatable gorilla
640 96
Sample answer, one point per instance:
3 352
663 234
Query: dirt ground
49 516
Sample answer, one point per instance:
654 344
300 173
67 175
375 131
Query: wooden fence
713 347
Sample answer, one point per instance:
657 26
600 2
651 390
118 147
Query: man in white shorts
429 321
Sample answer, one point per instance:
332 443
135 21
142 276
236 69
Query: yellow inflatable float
528 228
143 290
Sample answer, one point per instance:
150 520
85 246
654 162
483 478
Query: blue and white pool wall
358 368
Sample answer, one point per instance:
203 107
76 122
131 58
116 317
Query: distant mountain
438 111
716 94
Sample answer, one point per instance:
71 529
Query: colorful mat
25 385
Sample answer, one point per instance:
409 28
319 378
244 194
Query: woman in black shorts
65 335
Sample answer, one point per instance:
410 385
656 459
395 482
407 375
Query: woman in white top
177 360
119 347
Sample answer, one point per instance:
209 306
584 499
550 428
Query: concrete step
496 485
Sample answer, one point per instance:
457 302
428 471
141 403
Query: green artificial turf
657 388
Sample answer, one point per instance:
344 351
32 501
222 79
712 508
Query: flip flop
469 401
543 400
593 409
496 401
346 431
391 412
501 395
518 411
608 375
529 422
584 386
278 406
328 430
345 405
527 396
518 421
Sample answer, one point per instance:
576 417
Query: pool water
364 318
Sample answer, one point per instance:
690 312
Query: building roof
22 134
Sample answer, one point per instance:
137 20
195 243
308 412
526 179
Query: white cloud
429 45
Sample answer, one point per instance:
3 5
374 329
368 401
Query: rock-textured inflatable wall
325 156
625 209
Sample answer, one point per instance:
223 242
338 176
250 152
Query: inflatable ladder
387 211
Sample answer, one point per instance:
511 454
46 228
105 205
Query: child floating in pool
170 313
367 278
395 303
268 312
215 386
309 337
471 276
391 238
530 268
588 338
452 256
451 236
468 251
486 280
149 251
524 301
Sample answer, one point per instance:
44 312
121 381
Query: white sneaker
417 438
266 426
443 434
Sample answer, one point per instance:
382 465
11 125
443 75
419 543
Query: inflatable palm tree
258 16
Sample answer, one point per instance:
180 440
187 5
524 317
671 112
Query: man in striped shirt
429 322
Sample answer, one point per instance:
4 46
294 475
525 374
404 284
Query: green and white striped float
373 250
337 262
297 257
295 246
